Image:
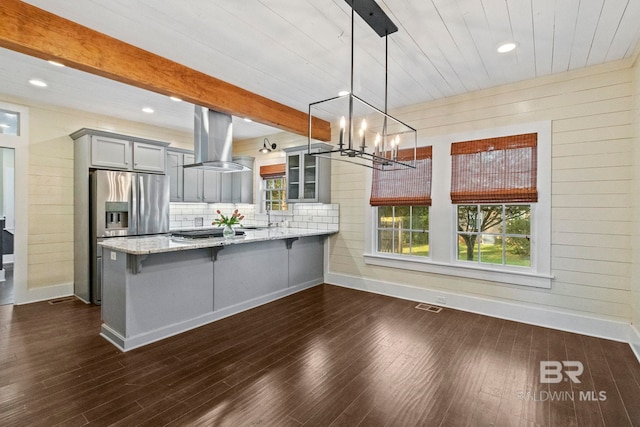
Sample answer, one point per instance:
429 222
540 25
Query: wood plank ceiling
297 52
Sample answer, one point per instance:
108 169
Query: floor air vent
61 300
427 307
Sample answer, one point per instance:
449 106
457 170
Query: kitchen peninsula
159 286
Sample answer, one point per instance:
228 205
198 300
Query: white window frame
404 256
443 218
267 190
514 268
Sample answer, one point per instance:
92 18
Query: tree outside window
403 230
495 234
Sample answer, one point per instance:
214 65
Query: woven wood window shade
495 170
273 171
404 186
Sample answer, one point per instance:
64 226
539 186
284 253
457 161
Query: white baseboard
47 292
634 341
600 328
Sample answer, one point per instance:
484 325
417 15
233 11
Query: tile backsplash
300 215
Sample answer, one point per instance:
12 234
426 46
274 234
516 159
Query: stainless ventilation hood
214 142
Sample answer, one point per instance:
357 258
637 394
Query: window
491 213
9 122
403 230
402 198
494 234
486 175
275 187
275 197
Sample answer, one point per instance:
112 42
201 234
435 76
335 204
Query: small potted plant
227 222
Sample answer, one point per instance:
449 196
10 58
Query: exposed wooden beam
27 29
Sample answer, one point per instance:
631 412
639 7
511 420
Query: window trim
403 256
267 190
443 218
509 268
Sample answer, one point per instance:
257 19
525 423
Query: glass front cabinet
308 177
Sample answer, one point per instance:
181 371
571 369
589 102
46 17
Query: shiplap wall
592 188
50 240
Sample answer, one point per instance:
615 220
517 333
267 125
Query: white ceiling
298 51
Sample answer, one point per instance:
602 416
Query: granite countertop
144 245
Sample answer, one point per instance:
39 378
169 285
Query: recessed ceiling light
507 47
175 98
38 83
147 110
343 93
56 64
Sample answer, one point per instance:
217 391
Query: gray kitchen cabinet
149 157
192 181
175 161
211 186
308 177
107 150
112 153
200 185
237 187
206 186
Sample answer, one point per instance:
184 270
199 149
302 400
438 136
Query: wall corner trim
634 340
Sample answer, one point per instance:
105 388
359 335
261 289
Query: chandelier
367 135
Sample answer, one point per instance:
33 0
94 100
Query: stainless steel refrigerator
123 204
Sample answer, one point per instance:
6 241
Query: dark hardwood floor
325 356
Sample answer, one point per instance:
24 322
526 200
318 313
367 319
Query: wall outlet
441 299
113 256
198 221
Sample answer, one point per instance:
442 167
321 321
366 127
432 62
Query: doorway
14 163
7 225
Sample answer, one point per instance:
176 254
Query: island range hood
214 142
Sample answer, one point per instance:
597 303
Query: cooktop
202 234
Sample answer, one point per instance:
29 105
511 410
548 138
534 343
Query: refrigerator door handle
141 203
133 208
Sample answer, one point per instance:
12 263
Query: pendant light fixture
267 146
367 135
